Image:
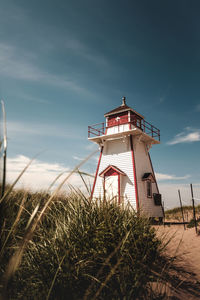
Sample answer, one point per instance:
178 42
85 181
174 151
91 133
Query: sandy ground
185 244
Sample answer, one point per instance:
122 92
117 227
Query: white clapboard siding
118 153
119 128
143 165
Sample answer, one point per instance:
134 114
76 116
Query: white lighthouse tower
124 171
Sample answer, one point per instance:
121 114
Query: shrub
191 224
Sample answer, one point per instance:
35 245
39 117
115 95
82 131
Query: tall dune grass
79 249
66 246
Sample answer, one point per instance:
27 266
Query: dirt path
184 244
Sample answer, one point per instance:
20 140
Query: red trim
119 192
121 119
97 172
153 172
111 171
134 174
129 123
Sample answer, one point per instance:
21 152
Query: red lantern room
121 119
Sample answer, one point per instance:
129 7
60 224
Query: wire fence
187 210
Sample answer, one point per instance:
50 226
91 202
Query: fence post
194 214
181 208
163 209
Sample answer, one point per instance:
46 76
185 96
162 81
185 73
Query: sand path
184 244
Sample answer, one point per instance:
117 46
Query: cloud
30 98
14 64
188 136
161 99
197 107
68 41
94 159
92 146
170 196
164 94
39 175
77 158
41 129
162 177
11 12
17 163
80 49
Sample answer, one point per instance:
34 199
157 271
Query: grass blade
16 258
17 179
5 149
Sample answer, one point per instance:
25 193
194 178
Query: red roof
110 167
123 107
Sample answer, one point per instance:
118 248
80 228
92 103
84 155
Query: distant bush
176 214
191 224
178 209
80 250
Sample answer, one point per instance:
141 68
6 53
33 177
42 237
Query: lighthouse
125 172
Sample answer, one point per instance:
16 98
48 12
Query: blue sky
64 64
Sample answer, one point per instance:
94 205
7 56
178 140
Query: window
149 189
138 123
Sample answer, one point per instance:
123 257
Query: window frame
149 188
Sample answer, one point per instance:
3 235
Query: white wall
143 165
116 129
118 153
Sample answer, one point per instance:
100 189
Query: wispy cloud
164 94
92 146
197 108
94 159
30 98
17 66
17 163
170 194
82 50
39 175
13 12
77 158
42 129
162 177
189 135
